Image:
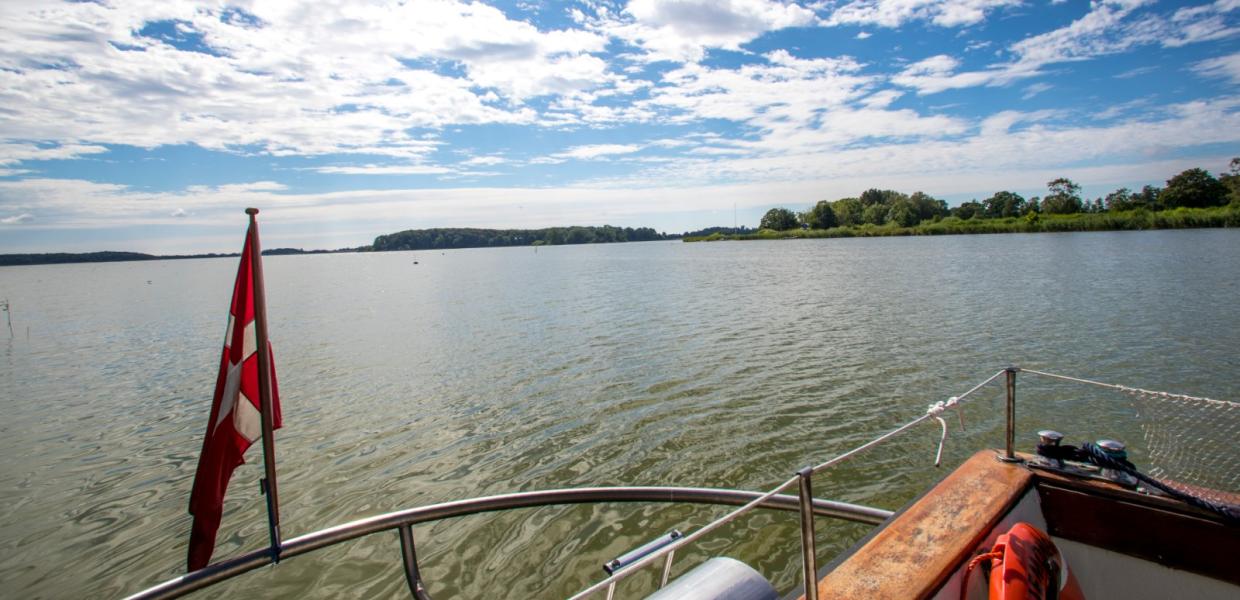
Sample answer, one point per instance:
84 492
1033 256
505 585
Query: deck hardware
1116 449
809 563
632 556
1048 439
409 558
650 547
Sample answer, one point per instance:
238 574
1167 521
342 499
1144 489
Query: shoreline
1135 220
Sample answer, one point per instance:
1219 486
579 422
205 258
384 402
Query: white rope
938 456
1136 391
880 439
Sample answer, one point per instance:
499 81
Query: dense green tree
821 216
847 211
871 197
1064 197
1120 199
422 239
1149 198
779 219
1004 204
874 214
886 198
903 213
928 208
1194 188
1231 179
968 210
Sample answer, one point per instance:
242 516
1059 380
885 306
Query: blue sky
150 126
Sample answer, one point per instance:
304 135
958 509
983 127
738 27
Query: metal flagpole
264 387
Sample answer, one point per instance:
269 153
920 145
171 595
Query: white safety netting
1191 443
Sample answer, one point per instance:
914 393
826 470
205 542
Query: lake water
485 371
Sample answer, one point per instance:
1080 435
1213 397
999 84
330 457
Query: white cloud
785 89
1117 110
15 152
179 213
484 161
17 219
682 30
999 147
306 80
882 99
1226 67
596 151
384 170
1110 27
937 73
862 35
894 13
1136 72
1035 89
240 188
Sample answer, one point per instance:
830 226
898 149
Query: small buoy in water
415 262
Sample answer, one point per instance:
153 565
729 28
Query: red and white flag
236 420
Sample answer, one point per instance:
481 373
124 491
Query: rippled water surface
485 371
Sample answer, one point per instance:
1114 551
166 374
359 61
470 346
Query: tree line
56 258
444 238
1193 188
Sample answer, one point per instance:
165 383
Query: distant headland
411 239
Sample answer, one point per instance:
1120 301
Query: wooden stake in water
8 314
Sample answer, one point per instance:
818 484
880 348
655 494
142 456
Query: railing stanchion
1009 453
667 569
809 562
409 558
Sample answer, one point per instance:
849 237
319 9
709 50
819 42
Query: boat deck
926 542
920 552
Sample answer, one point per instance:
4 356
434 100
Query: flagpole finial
251 211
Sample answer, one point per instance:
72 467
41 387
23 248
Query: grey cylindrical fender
719 578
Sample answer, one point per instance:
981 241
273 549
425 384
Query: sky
151 126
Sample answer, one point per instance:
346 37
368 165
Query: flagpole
264 388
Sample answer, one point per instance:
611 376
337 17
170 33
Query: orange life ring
1025 564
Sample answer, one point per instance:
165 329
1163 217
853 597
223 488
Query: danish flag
236 420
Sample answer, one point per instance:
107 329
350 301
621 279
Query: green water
486 371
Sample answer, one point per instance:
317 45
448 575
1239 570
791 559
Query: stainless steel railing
402 522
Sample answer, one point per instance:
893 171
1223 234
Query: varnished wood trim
918 549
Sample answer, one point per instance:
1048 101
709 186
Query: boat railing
803 480
747 501
402 522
